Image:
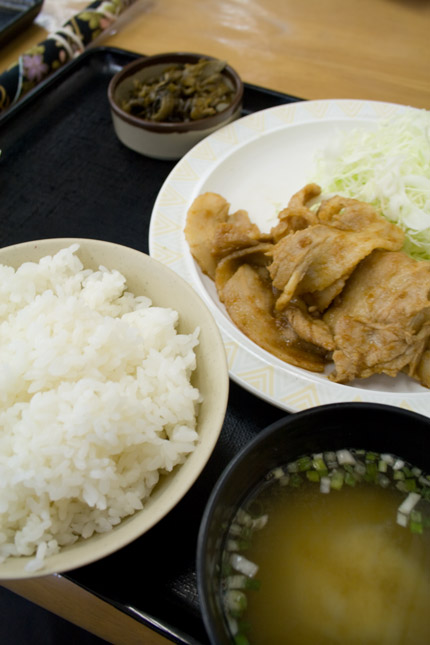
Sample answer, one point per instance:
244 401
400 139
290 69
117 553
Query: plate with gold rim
257 163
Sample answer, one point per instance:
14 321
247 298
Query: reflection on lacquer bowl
319 531
114 390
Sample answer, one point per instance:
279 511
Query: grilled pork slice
381 321
322 256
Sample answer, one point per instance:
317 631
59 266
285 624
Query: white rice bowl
113 390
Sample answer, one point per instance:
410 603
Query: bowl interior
373 427
166 289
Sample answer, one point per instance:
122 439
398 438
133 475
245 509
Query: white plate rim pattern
289 388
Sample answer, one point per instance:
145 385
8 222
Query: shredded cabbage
389 167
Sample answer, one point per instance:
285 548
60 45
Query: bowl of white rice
113 391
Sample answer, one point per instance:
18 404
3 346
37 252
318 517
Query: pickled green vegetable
182 92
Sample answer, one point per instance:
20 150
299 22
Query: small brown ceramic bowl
162 139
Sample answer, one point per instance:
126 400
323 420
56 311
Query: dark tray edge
155 624
56 78
22 20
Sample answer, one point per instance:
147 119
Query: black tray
15 17
63 173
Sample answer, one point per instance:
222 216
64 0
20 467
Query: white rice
95 403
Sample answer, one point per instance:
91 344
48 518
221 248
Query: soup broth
341 567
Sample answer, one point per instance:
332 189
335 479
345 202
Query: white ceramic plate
257 163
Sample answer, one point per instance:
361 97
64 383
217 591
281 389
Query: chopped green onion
313 475
336 480
409 503
319 463
253 584
235 529
416 527
304 463
410 485
247 520
360 468
350 479
237 545
243 626
416 524
240 581
382 466
296 480
400 485
243 517
345 457
425 481
292 467
371 456
259 522
416 516
371 471
237 581
330 459
243 565
232 624
278 473
231 545
383 480
402 519
235 602
389 459
325 485
284 481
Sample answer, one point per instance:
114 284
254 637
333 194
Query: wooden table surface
363 49
314 49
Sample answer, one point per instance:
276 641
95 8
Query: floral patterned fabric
60 47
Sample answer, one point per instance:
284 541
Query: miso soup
332 549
